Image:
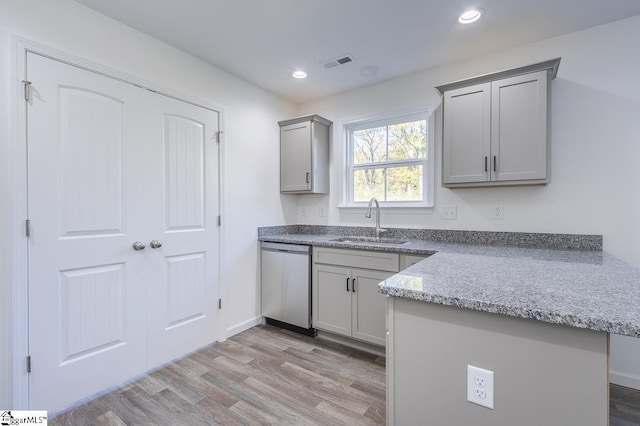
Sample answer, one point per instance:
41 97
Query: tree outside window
389 161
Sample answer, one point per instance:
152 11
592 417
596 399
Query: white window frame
428 163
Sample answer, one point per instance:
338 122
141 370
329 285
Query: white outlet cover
480 386
497 212
449 212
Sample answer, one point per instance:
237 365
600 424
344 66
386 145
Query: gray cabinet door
467 134
368 307
295 157
331 286
519 127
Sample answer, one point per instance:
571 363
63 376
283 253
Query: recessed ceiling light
369 71
471 15
299 74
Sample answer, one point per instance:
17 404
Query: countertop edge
594 324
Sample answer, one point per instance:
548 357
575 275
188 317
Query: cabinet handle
353 285
485 164
495 164
347 284
308 175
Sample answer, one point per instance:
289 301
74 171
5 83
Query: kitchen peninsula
536 309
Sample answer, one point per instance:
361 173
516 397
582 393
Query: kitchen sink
374 240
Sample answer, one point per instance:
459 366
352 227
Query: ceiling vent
341 60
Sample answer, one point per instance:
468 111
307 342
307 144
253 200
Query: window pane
408 140
368 183
404 183
369 145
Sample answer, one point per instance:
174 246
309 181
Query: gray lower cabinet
345 298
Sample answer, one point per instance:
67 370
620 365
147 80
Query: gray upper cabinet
495 128
304 155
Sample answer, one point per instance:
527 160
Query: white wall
595 164
251 142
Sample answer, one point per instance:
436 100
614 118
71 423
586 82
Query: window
390 160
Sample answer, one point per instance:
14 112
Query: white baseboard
622 379
245 325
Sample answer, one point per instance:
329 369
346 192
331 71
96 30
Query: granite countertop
556 278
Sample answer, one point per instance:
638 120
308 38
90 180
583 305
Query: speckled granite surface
519 239
582 288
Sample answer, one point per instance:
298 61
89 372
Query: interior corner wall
5 232
595 151
251 196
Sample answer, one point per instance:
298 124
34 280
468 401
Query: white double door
109 165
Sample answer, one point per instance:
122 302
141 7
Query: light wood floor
261 376
269 376
624 406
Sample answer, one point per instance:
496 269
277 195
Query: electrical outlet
497 212
479 381
321 211
303 212
449 212
480 386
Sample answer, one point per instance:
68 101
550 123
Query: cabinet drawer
380 261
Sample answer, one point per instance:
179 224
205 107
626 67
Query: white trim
397 209
18 194
624 379
346 187
244 325
19 258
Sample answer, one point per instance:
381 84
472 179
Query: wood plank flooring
268 376
261 376
624 406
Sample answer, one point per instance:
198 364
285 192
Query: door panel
519 127
369 307
110 164
331 300
184 284
86 285
91 157
91 311
295 157
467 134
184 178
183 274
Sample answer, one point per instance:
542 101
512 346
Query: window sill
399 208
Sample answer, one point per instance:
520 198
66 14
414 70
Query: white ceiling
264 41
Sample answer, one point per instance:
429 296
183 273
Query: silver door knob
155 244
138 245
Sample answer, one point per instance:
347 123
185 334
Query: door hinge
219 135
28 363
27 89
219 220
219 303
27 228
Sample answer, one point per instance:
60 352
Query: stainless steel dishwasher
286 286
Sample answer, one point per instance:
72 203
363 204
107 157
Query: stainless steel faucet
368 215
